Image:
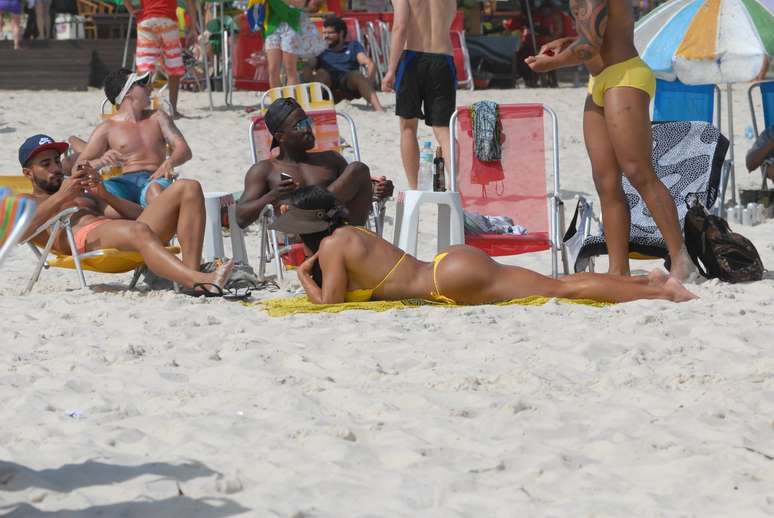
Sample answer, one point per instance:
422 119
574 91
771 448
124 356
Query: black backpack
716 251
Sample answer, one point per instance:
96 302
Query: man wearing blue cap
107 221
272 180
136 139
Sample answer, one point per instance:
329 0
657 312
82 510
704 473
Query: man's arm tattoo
590 23
170 131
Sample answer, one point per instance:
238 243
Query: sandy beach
147 403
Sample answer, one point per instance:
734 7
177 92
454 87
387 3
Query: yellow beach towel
295 305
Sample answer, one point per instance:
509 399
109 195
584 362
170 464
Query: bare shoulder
259 170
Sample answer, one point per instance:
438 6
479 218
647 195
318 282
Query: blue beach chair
767 101
676 101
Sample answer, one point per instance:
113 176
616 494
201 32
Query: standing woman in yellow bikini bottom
351 264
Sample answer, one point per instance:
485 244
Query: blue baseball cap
37 144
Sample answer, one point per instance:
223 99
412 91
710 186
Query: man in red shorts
158 39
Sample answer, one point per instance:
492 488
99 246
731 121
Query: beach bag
717 251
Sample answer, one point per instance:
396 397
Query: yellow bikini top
365 295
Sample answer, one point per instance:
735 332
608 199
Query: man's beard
47 186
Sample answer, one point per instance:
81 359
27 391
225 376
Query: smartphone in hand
285 176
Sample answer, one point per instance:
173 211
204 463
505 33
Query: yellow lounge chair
107 260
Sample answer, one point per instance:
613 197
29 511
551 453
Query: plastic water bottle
748 132
426 166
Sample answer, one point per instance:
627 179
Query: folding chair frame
56 224
270 249
20 227
555 204
758 85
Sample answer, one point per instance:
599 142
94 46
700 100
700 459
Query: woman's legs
16 30
628 128
469 276
290 61
607 180
274 62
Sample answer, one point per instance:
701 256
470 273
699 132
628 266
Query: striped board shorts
159 38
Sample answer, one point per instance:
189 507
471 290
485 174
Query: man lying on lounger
274 179
136 139
107 221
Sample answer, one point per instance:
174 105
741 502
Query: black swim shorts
426 86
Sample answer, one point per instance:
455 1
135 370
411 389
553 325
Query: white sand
644 409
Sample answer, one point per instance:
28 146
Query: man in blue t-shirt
339 66
762 153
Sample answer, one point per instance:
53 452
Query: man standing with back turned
422 73
616 124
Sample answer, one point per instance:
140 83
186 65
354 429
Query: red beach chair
515 186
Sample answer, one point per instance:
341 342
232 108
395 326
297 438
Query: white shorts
284 38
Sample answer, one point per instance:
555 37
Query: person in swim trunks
106 221
136 139
351 264
616 124
158 40
422 73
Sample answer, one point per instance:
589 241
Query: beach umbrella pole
730 105
531 27
126 44
203 51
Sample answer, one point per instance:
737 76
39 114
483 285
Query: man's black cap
277 113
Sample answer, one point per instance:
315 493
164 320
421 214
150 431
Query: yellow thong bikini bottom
436 294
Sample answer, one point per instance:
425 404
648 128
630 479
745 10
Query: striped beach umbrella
707 41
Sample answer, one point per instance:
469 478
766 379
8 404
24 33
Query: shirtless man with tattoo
135 138
616 124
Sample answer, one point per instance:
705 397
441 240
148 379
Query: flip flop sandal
206 290
239 290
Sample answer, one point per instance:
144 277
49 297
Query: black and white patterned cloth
688 158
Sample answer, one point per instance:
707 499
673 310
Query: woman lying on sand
358 266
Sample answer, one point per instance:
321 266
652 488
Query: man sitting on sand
339 66
274 179
762 153
136 139
107 221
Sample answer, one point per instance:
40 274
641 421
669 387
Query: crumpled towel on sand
294 305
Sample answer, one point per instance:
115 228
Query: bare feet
223 273
657 278
677 292
683 268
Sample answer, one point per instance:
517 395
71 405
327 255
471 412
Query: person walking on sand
616 124
158 39
422 73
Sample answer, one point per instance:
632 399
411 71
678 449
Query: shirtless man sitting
107 221
291 130
135 138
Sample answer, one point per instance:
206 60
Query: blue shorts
134 186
